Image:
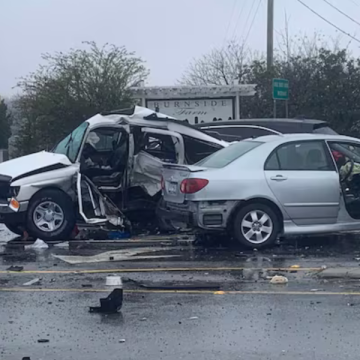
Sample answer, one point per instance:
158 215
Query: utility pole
270 34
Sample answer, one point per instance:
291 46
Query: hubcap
256 226
48 216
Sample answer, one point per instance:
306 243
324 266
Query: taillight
191 186
162 183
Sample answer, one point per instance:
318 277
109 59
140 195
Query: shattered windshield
70 145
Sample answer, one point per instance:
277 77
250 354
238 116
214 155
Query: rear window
325 130
227 155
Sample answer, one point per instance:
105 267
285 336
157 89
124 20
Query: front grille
5 187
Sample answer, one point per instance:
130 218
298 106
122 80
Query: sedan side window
300 156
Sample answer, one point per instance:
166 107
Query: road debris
116 255
42 341
26 358
15 268
86 285
295 266
193 318
35 281
279 279
316 290
37 245
64 245
111 304
114 280
143 319
122 340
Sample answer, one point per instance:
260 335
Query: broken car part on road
111 304
116 255
107 172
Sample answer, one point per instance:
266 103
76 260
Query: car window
348 150
104 139
227 155
160 146
196 150
307 155
70 146
324 130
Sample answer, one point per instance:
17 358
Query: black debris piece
111 304
86 285
42 341
15 268
26 358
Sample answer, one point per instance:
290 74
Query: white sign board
194 110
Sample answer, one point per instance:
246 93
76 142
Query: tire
15 228
263 233
51 215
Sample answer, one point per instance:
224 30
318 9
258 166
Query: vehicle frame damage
107 172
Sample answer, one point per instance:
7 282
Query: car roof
262 121
301 137
141 116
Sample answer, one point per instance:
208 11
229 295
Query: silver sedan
258 189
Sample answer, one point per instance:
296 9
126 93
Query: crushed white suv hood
32 162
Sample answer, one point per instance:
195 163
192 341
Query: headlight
14 190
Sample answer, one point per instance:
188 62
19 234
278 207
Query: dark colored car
234 130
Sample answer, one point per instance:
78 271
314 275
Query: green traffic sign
280 89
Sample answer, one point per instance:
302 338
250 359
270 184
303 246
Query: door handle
278 178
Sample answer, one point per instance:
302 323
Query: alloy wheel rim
48 216
256 226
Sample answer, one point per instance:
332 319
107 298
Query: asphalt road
308 318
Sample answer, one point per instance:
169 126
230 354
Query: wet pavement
243 317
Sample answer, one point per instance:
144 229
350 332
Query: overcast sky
167 34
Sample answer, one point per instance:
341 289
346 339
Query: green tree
71 87
5 122
324 81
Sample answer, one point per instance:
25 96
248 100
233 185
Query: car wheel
256 225
51 215
17 229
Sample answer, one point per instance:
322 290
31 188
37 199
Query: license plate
172 188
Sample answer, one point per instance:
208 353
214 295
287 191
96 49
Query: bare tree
223 66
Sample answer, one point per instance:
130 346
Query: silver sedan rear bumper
207 215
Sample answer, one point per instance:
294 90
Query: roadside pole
274 109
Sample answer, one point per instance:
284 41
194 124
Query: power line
248 17
341 12
237 21
252 22
355 3
229 23
329 22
